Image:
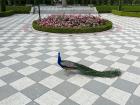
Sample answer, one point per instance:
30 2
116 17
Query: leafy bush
123 13
6 13
106 26
10 10
133 8
109 8
19 9
106 8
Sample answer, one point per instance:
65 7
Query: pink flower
71 21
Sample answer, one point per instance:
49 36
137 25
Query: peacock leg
67 72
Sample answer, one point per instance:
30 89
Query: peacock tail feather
91 72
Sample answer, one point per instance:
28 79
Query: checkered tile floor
29 74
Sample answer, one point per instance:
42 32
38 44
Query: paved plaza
29 74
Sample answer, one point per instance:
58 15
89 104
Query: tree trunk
64 3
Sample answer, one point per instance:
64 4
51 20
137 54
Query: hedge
19 9
106 8
6 13
104 27
109 8
133 8
10 10
123 13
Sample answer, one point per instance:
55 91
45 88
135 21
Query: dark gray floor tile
105 62
41 65
39 75
125 61
12 77
6 91
63 75
103 101
68 102
134 70
35 91
133 100
32 103
23 58
18 66
66 89
96 87
125 85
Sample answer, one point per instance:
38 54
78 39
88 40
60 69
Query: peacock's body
69 65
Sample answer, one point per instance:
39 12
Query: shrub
19 9
133 8
104 27
109 8
10 10
6 13
123 13
106 8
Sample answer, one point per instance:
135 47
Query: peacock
69 65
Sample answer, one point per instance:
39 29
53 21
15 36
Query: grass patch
123 13
104 27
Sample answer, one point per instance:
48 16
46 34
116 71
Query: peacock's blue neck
59 59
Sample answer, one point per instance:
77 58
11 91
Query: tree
64 3
3 5
37 2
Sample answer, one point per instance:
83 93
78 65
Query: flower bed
72 24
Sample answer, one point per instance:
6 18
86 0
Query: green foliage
3 5
109 8
133 8
106 8
10 10
105 27
6 13
19 9
123 13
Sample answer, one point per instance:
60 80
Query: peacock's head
59 58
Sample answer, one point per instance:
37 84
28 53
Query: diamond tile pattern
29 74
